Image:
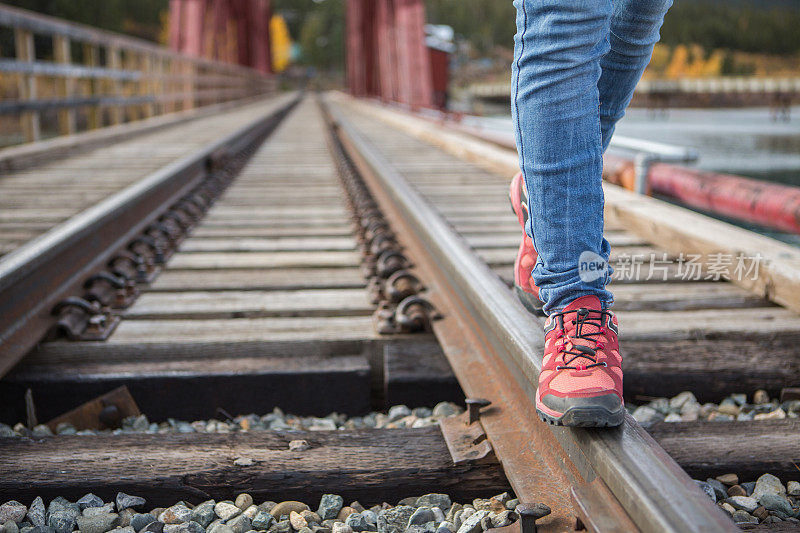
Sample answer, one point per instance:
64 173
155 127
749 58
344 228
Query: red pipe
767 204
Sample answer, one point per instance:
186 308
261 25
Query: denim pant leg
635 27
555 108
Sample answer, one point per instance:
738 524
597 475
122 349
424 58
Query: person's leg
635 27
558 47
555 109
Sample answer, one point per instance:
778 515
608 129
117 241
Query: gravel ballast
428 513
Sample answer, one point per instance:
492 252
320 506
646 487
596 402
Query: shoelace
578 350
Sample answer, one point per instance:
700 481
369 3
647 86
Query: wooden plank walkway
35 199
312 297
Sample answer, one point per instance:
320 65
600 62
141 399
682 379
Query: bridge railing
64 77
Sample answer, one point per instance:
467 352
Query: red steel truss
386 52
235 31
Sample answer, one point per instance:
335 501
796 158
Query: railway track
319 260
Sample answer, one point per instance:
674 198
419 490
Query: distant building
439 40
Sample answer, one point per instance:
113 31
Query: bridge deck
36 199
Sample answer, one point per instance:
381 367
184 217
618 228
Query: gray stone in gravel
125 501
428 527
12 511
442 501
358 522
239 524
329 506
140 520
36 512
204 513
60 503
708 489
96 511
749 486
472 524
421 516
62 520
267 506
42 529
90 500
458 518
243 501
320 529
9 527
503 497
776 502
443 409
486 522
502 519
768 484
397 412
39 529
394 520
438 515
719 489
221 528
305 529
311 517
176 514
186 527
226 510
125 529
445 527
262 521
512 504
370 516
153 527
677 402
329 523
647 415
125 517
98 523
745 503
339 527
411 500
284 526
742 517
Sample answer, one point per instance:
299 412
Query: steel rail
481 315
38 275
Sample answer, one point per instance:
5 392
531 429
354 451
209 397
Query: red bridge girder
234 31
386 52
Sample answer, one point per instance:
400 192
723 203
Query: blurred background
724 80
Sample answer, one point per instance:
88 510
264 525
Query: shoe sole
585 417
531 303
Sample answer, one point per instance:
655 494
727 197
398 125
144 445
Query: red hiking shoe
527 292
581 379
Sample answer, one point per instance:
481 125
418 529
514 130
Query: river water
746 142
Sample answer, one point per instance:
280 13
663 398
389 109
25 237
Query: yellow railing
85 78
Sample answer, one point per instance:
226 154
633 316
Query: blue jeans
576 64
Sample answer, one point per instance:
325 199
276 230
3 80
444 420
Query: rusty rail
49 281
103 78
495 348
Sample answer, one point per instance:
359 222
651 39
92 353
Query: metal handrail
649 152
